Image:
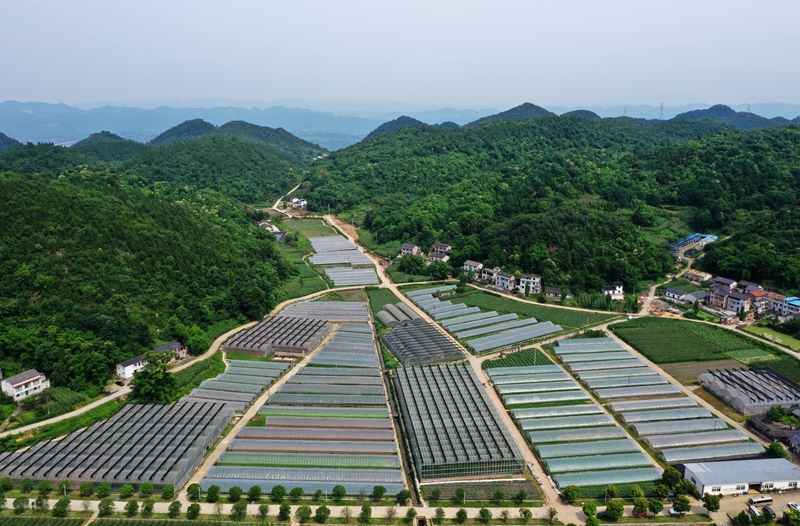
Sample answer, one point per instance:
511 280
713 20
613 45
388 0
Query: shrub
254 493
131 508
263 511
303 514
296 494
655 506
103 489
592 521
6 484
86 490
410 515
193 491
322 514
61 509
438 516
167 492
570 494
484 516
460 495
611 491
637 492
590 509
41 504
25 485
711 502
105 508
279 492
193 511
147 508
20 505
686 487
776 450
126 491
235 493
681 503
661 491
338 493
378 492
436 495
615 510
498 496
365 517
640 505
174 509
461 516
525 514
520 496
239 510
146 489
403 496
284 512
44 487
212 494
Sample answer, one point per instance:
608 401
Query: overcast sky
459 53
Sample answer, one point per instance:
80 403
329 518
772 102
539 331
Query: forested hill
94 270
36 158
107 146
7 142
518 113
292 148
742 120
394 125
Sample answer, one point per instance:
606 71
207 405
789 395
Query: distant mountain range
739 119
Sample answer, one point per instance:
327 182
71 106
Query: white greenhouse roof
750 471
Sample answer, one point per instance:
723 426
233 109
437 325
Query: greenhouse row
482 322
495 372
421 344
603 478
140 443
432 290
563 422
536 387
684 413
511 337
616 373
239 385
546 384
596 357
489 329
598 462
322 244
453 428
326 426
468 318
586 345
629 381
529 378
600 447
338 257
354 312
348 276
279 334
398 314
559 410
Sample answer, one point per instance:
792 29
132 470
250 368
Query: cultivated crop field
309 227
380 297
519 359
568 319
670 341
39 521
156 522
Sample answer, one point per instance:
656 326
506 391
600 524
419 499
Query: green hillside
107 146
185 131
394 125
742 120
7 142
37 158
240 169
518 113
583 114
94 270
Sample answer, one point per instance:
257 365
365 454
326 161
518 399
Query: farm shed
751 392
281 334
735 476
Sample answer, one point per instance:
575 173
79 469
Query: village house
126 369
505 280
699 295
719 281
25 384
555 293
697 276
488 274
530 280
675 294
440 252
472 266
410 248
615 290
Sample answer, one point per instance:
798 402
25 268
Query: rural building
697 276
555 292
751 392
719 281
131 366
737 476
693 243
699 295
177 348
23 385
410 248
440 252
533 280
615 290
488 274
789 307
280 235
472 266
738 302
675 294
505 280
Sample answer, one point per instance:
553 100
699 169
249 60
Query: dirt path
651 294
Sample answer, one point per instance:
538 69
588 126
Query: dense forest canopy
7 142
107 146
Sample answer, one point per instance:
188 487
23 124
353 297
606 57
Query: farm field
401 277
481 493
664 340
689 371
568 319
309 227
681 284
380 297
788 367
776 337
39 521
519 359
388 250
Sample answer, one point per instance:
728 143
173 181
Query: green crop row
519 359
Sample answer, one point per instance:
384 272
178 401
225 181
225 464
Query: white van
761 500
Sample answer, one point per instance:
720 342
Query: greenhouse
483 322
679 426
330 243
421 345
327 371
372 476
333 422
335 311
443 306
262 381
291 433
341 412
576 435
603 478
525 369
453 428
217 385
426 303
559 410
595 357
711 453
238 407
466 319
488 329
611 364
280 334
259 365
454 313
546 398
637 392
222 396
543 387
702 438
340 380
529 378
432 290
344 360
563 422
230 458
601 447
683 413
347 276
582 342
308 487
598 462
327 389
269 374
657 403
355 327
314 446
338 257
585 349
506 338
341 400
630 381
616 373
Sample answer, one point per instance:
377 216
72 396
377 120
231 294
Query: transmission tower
661 113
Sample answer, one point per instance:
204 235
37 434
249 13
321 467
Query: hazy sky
455 53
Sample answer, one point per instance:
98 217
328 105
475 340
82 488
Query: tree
461 495
131 508
525 514
86 490
20 505
436 495
44 487
41 504
362 495
263 511
154 382
615 510
655 506
498 496
681 503
194 492
365 517
193 511
147 508
776 450
218 509
254 493
484 516
105 507
146 489
64 488
570 494
592 521
742 519
127 490
174 509
611 491
552 516
461 516
234 494
438 516
640 505
284 512
661 491
346 514
637 492
61 508
589 509
103 489
25 485
322 514
338 493
3 501
391 513
239 510
776 413
317 496
403 496
520 496
6 484
686 487
167 492
696 307
378 492
410 515
711 502
212 494
504 515
296 494
671 477
279 492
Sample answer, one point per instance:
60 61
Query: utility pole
661 114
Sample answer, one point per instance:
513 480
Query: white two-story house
25 384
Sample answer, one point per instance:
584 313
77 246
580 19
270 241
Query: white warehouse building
737 476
